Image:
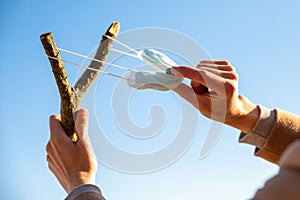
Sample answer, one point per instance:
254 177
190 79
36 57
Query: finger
49 148
199 88
57 133
188 72
81 124
51 164
217 62
57 173
52 154
209 80
224 74
214 66
187 93
48 159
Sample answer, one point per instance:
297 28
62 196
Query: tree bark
71 97
89 76
66 94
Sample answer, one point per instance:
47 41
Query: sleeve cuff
260 132
83 189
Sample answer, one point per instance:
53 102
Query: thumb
57 132
187 93
199 88
194 74
82 123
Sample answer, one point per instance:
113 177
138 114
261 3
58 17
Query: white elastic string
85 67
121 43
96 60
125 53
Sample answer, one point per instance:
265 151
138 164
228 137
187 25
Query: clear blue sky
260 38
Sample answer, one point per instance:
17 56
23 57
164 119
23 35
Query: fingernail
174 71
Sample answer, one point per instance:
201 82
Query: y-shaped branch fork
71 97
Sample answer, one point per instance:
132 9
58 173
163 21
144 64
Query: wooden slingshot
71 96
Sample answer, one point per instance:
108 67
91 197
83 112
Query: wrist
82 180
245 116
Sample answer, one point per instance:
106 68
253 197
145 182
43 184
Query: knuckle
203 61
226 62
235 76
48 158
199 65
203 73
232 76
231 68
205 66
230 87
53 117
48 147
50 166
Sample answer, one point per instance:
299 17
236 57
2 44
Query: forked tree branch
71 97
88 77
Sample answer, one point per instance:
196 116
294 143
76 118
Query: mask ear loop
122 44
131 77
142 55
125 53
136 55
86 67
99 61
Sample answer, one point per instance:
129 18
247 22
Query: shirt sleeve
85 192
260 132
273 132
